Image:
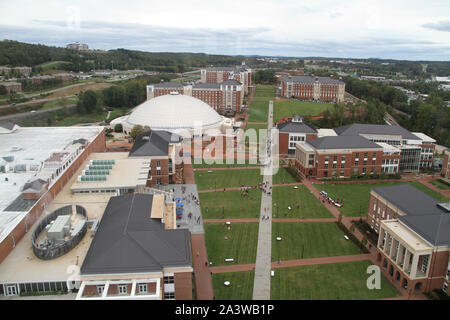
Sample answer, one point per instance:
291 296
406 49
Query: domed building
175 113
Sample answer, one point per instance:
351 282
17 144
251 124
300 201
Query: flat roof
424 137
326 133
374 129
415 242
125 173
31 146
387 147
35 269
342 142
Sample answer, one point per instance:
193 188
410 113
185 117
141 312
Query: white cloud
280 27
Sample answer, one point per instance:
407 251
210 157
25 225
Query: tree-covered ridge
13 53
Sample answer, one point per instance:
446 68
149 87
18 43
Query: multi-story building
138 252
12 86
78 46
242 74
338 156
161 149
446 164
293 131
225 97
413 247
25 71
313 88
416 149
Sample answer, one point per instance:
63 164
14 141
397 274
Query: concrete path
240 188
318 220
261 286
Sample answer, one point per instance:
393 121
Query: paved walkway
261 285
239 188
293 263
426 182
273 220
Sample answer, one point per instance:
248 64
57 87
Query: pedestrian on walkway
198 253
206 263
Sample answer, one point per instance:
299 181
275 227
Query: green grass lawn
62 102
283 176
224 164
230 203
439 184
338 281
309 240
288 108
259 106
356 195
256 126
240 245
240 288
309 206
227 178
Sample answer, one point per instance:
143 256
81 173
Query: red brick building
339 157
242 74
160 148
446 164
313 88
414 236
225 97
12 86
292 131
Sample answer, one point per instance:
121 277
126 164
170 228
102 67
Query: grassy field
239 243
77 119
309 240
52 64
73 90
59 103
439 184
256 126
230 204
288 108
283 176
259 106
240 288
309 206
339 281
227 178
356 195
225 165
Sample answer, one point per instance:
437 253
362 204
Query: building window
356 163
123 289
445 287
169 295
158 172
325 174
100 290
158 181
158 163
334 165
364 170
326 166
169 280
143 288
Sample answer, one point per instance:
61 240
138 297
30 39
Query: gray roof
35 185
343 142
423 215
151 143
206 86
221 69
311 80
433 228
7 125
231 82
296 127
376 129
167 85
409 199
129 241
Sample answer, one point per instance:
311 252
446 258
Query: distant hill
14 53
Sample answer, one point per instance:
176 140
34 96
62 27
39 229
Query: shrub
118 128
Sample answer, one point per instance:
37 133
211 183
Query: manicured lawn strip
356 195
337 281
439 184
283 176
231 204
227 178
427 190
241 243
240 288
259 106
256 126
224 164
309 240
288 108
309 206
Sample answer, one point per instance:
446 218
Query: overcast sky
397 29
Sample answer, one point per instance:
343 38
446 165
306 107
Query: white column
406 261
380 237
133 288
413 273
105 290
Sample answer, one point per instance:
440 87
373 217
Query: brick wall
183 286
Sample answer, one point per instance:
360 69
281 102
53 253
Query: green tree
88 102
118 128
136 130
114 97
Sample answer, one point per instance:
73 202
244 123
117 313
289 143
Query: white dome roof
174 111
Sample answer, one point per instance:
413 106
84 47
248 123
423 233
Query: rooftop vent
174 93
297 119
147 138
